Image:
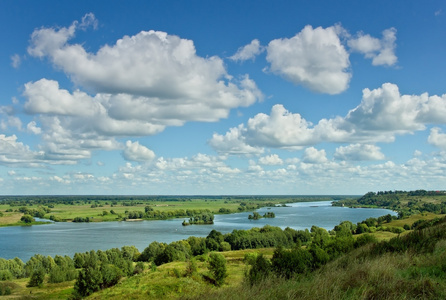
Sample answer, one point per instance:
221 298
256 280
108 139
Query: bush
287 263
259 271
57 275
5 275
191 268
110 275
217 267
365 239
139 268
5 290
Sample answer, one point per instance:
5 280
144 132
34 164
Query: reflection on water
69 238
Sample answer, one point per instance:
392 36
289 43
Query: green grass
357 275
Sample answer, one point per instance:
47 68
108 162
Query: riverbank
68 238
118 208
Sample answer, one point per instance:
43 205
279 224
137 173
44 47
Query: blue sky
227 97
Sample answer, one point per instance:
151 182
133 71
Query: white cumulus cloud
382 114
314 156
135 152
314 58
359 152
271 160
151 64
437 138
381 51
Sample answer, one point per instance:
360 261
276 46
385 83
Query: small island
257 216
200 219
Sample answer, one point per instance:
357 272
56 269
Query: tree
287 263
37 277
111 275
151 252
88 281
217 267
260 269
320 236
27 219
214 240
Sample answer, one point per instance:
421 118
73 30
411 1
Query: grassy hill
374 259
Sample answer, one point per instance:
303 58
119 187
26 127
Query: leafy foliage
217 267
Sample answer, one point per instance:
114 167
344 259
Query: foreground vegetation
378 258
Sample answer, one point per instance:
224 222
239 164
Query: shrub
191 268
110 275
5 275
365 239
217 266
259 271
287 263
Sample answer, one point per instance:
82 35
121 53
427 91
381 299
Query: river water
69 238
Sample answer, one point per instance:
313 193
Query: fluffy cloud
32 127
249 51
437 138
151 64
14 153
233 142
279 128
136 152
359 152
314 58
382 114
69 140
271 160
137 86
382 52
314 156
385 110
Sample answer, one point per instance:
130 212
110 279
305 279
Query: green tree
217 267
287 263
110 275
214 240
191 267
320 236
88 282
151 252
259 271
27 219
37 278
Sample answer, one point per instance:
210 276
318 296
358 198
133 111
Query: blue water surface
66 238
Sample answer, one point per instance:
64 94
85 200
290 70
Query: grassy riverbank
362 273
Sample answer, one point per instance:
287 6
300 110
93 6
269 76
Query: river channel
66 238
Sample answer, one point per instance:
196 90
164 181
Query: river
68 238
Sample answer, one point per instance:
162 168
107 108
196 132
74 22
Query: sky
222 97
